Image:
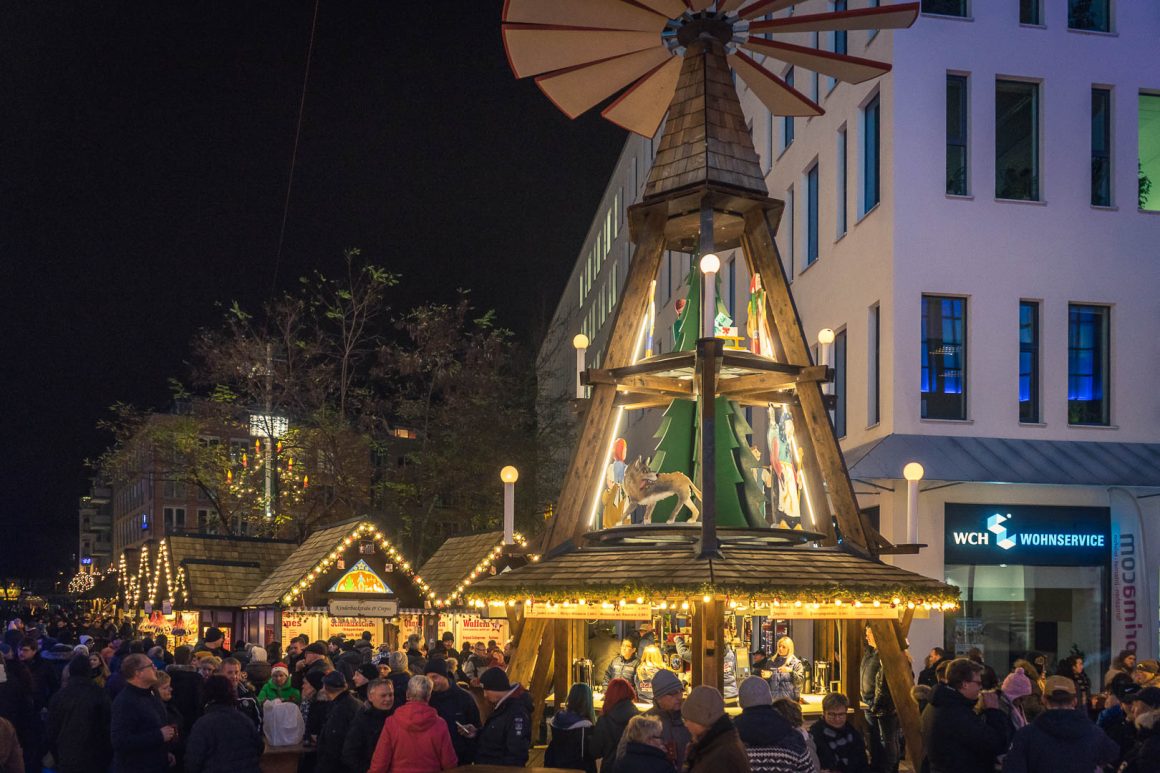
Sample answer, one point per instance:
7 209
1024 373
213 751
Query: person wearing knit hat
1147 673
1061 739
668 696
716 745
364 675
1015 688
213 642
771 742
506 736
278 687
456 706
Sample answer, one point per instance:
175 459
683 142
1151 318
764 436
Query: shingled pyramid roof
706 139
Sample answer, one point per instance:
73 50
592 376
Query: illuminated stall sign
1027 535
360 578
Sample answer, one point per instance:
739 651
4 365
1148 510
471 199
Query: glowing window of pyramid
360 578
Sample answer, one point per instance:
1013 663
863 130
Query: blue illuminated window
1029 362
871 155
944 358
812 214
787 121
1087 364
840 44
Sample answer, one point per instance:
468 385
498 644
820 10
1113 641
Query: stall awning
455 559
609 574
1006 460
223 571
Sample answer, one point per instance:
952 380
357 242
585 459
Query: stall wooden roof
298 563
768 572
455 559
223 571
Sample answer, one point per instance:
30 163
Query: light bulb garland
481 568
145 585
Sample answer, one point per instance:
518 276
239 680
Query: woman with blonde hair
641 749
651 661
788 673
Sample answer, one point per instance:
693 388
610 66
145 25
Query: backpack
283 724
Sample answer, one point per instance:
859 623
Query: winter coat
842 750
258 673
285 693
642 758
187 694
506 737
474 666
772 744
645 673
399 680
718 750
786 684
675 736
571 744
729 679
415 661
1119 728
1144 756
78 727
609 728
16 707
332 739
45 680
457 707
620 668
415 740
1060 741
362 737
956 739
135 730
248 705
875 692
11 755
223 740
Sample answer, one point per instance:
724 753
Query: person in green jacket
279 686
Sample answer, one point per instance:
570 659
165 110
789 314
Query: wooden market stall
344 579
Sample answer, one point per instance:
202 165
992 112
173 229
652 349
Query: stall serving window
1033 579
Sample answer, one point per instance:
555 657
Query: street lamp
509 475
710 265
913 473
580 344
825 338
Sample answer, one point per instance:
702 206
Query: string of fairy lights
482 568
133 587
685 603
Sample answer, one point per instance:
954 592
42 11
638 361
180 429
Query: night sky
144 158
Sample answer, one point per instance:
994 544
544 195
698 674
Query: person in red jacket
415 738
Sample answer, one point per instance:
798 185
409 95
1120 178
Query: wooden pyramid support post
706 161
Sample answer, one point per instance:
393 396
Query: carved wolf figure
642 486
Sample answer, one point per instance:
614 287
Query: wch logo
994 526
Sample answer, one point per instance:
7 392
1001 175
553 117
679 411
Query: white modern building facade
975 229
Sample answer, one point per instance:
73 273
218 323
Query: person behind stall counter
624 665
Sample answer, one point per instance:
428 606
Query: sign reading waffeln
588 611
364 608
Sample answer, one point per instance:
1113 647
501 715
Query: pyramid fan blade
579 88
698 5
851 69
670 8
602 14
532 50
778 96
890 18
727 6
762 7
641 108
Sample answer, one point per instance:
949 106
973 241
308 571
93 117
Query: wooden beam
904 623
708 644
541 678
815 482
526 648
658 363
896 669
764 382
677 387
635 402
761 253
850 669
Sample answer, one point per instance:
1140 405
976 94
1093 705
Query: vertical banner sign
1134 591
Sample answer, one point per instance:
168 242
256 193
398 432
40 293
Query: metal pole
509 513
269 432
709 351
912 512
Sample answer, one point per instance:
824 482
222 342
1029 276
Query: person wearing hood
456 706
772 744
359 747
506 736
415 738
840 746
668 697
78 722
1061 739
572 728
956 739
716 745
619 708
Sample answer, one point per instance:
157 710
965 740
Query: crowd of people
80 695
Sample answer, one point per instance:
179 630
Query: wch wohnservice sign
1027 534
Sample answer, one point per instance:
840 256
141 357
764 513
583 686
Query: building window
957 135
787 121
789 234
840 384
174 518
840 211
944 360
840 41
1101 147
1148 194
872 33
873 365
1030 12
1029 362
1092 15
1017 140
871 118
812 215
1087 364
945 7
